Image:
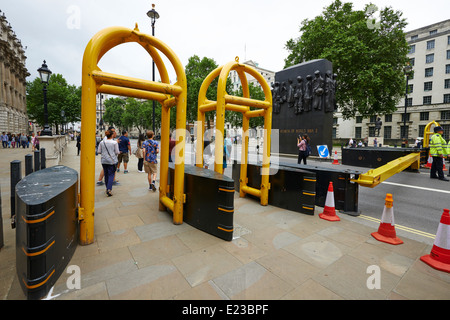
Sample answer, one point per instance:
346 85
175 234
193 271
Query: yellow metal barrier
96 81
374 177
236 104
427 133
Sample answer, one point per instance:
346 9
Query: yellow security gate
96 81
237 104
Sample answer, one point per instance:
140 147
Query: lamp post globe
153 15
44 73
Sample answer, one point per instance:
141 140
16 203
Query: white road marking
416 187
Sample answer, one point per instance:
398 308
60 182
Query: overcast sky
59 30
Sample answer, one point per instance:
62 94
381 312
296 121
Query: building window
414 37
429 58
359 119
447 84
446 98
358 132
373 119
409 102
425 116
445 115
428 72
448 39
421 130
447 68
430 44
407 116
426 100
412 49
387 132
388 118
335 121
410 88
448 54
403 131
433 32
446 134
428 86
412 62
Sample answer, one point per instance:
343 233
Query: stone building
428 91
13 74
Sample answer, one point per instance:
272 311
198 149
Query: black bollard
28 164
37 162
42 150
2 242
16 176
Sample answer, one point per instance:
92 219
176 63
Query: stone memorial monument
304 99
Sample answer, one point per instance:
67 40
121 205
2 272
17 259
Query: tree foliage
368 55
60 96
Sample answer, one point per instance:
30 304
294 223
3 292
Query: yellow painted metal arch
238 104
95 80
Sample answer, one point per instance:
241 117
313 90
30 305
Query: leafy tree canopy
368 55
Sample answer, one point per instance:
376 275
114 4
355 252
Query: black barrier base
290 188
47 227
209 200
374 157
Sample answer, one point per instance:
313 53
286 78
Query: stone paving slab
139 254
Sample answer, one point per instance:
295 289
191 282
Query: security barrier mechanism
209 201
237 104
96 81
46 227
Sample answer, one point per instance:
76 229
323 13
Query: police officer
438 150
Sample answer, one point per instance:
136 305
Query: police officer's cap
437 129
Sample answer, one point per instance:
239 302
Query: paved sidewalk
276 254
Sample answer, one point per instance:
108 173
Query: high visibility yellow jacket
438 146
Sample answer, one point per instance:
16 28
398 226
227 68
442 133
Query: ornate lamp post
407 69
153 15
44 73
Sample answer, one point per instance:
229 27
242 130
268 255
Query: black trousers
437 167
301 156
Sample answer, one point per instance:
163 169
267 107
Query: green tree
60 96
368 56
114 109
139 114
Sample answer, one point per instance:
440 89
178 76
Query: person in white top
109 149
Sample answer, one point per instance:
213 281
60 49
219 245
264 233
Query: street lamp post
407 71
63 120
44 73
153 15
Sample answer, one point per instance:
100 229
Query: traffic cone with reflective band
329 212
386 231
439 258
429 162
335 161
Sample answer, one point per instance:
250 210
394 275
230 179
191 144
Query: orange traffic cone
439 258
329 212
429 162
386 231
335 161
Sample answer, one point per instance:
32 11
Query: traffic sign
323 151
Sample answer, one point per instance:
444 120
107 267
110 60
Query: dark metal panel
47 227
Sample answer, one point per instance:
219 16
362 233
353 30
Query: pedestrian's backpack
308 149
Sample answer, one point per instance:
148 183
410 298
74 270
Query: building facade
13 74
428 96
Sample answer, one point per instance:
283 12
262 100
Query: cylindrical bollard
16 176
28 164
37 161
43 165
2 242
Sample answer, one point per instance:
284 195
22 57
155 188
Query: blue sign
323 151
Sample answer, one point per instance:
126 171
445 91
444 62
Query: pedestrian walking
139 154
124 151
109 149
79 144
302 144
438 150
4 138
35 141
150 150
